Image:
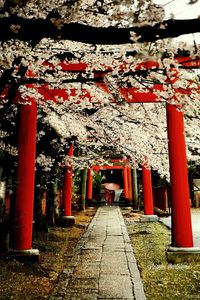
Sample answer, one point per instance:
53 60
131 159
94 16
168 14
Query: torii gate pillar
67 218
89 186
130 185
147 195
181 216
23 214
125 178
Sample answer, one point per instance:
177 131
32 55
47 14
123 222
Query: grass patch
161 280
35 281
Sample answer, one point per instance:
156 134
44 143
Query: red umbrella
111 186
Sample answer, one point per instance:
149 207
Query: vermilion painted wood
130 185
89 185
71 150
67 189
98 168
181 216
23 216
125 178
131 95
147 190
185 61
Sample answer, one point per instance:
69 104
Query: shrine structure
182 238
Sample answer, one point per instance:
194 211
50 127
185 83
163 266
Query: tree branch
113 35
34 30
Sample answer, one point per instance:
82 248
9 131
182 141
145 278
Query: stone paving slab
80 295
83 284
103 265
115 287
116 269
91 254
87 270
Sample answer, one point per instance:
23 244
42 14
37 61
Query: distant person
108 196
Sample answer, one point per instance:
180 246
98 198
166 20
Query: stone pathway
103 265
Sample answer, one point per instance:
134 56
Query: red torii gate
126 178
130 94
182 229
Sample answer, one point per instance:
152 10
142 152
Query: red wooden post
147 190
23 215
181 216
130 185
67 217
89 185
126 193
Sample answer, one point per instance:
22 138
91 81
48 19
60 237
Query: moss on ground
162 281
35 281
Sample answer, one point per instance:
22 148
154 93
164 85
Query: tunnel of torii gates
182 236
